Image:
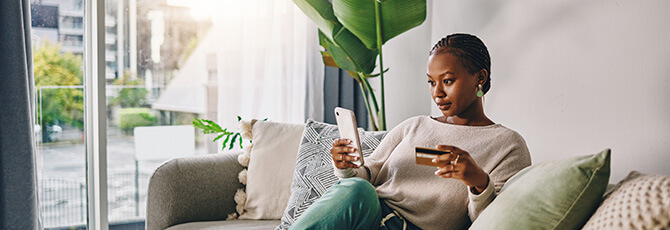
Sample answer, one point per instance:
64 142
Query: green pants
352 203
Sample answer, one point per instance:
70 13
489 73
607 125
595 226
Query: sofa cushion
637 202
314 168
271 162
554 195
227 225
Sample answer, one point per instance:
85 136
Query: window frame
95 115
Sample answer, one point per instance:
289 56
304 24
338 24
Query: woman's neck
465 121
472 116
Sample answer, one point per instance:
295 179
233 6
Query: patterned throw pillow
314 168
637 202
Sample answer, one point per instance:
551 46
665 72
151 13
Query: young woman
393 192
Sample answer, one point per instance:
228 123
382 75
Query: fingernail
434 160
437 172
348 141
355 158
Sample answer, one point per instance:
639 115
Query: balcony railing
63 186
63 201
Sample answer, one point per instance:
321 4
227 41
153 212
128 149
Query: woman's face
452 87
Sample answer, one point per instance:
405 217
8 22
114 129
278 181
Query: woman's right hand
340 153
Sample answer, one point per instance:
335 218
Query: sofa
208 191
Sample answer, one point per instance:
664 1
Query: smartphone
346 123
425 156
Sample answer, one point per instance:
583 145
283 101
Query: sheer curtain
18 178
267 54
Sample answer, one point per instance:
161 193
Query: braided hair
472 52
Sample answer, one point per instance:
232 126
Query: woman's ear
482 76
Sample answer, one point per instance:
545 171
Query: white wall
573 77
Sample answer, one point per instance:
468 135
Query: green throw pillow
554 195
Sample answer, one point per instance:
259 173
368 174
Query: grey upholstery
191 189
228 225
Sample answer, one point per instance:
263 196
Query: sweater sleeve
376 160
517 158
478 202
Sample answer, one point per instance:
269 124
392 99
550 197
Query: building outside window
58 32
166 63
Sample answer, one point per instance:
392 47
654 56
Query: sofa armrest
198 188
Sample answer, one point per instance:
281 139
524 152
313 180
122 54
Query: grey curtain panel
18 179
341 90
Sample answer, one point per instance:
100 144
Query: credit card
425 156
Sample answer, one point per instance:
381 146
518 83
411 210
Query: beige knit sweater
433 202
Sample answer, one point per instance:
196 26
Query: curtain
18 177
340 90
268 63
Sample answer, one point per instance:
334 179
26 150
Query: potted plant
353 32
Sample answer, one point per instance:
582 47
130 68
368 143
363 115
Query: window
58 72
74 41
165 63
71 22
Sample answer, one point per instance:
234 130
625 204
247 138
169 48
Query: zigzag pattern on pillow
314 174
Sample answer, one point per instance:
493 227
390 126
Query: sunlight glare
205 9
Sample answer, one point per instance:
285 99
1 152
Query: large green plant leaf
321 13
346 50
397 16
353 32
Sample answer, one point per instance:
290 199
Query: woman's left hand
460 165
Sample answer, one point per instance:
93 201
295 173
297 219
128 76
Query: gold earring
480 93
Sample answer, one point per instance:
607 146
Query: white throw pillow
271 164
